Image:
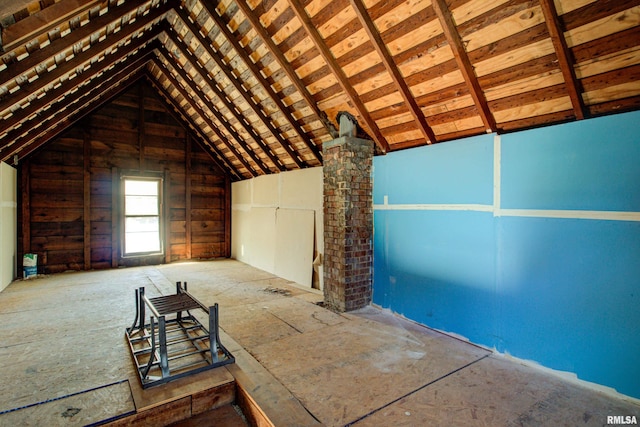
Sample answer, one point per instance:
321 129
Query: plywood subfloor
298 362
80 409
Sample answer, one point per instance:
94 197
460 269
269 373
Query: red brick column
348 223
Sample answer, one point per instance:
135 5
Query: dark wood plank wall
70 190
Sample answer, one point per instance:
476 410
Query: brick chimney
348 219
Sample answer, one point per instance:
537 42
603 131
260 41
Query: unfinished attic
410 212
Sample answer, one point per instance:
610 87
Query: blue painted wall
564 292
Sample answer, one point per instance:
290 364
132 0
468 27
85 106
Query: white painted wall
277 223
8 224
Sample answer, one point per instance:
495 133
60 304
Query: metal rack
174 343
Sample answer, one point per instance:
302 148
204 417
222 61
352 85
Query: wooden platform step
224 416
181 399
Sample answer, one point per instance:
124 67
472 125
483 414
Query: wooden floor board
62 337
88 407
523 396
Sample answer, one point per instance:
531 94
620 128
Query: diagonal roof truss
260 82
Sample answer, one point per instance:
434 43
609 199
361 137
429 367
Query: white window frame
123 220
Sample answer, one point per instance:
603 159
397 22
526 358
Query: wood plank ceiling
260 82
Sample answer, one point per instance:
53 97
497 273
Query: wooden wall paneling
207 204
101 206
73 213
187 181
115 226
115 134
164 149
177 237
141 128
227 216
57 204
87 196
166 213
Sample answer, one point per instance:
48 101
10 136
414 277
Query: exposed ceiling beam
95 93
351 93
52 95
244 92
84 82
563 55
110 42
254 20
393 70
180 115
16 68
189 91
223 138
262 81
46 19
464 64
97 101
211 84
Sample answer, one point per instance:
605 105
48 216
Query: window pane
142 242
136 224
142 234
142 216
141 188
141 205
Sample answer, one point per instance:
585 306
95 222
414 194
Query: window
142 220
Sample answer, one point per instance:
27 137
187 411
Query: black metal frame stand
183 337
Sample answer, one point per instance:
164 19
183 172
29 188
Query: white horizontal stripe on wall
571 214
531 213
432 207
498 211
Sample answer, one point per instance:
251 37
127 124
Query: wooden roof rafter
179 114
213 86
187 96
283 68
94 93
92 30
111 42
59 92
185 90
246 95
54 16
393 70
76 116
285 65
464 64
262 81
564 57
319 43
55 96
